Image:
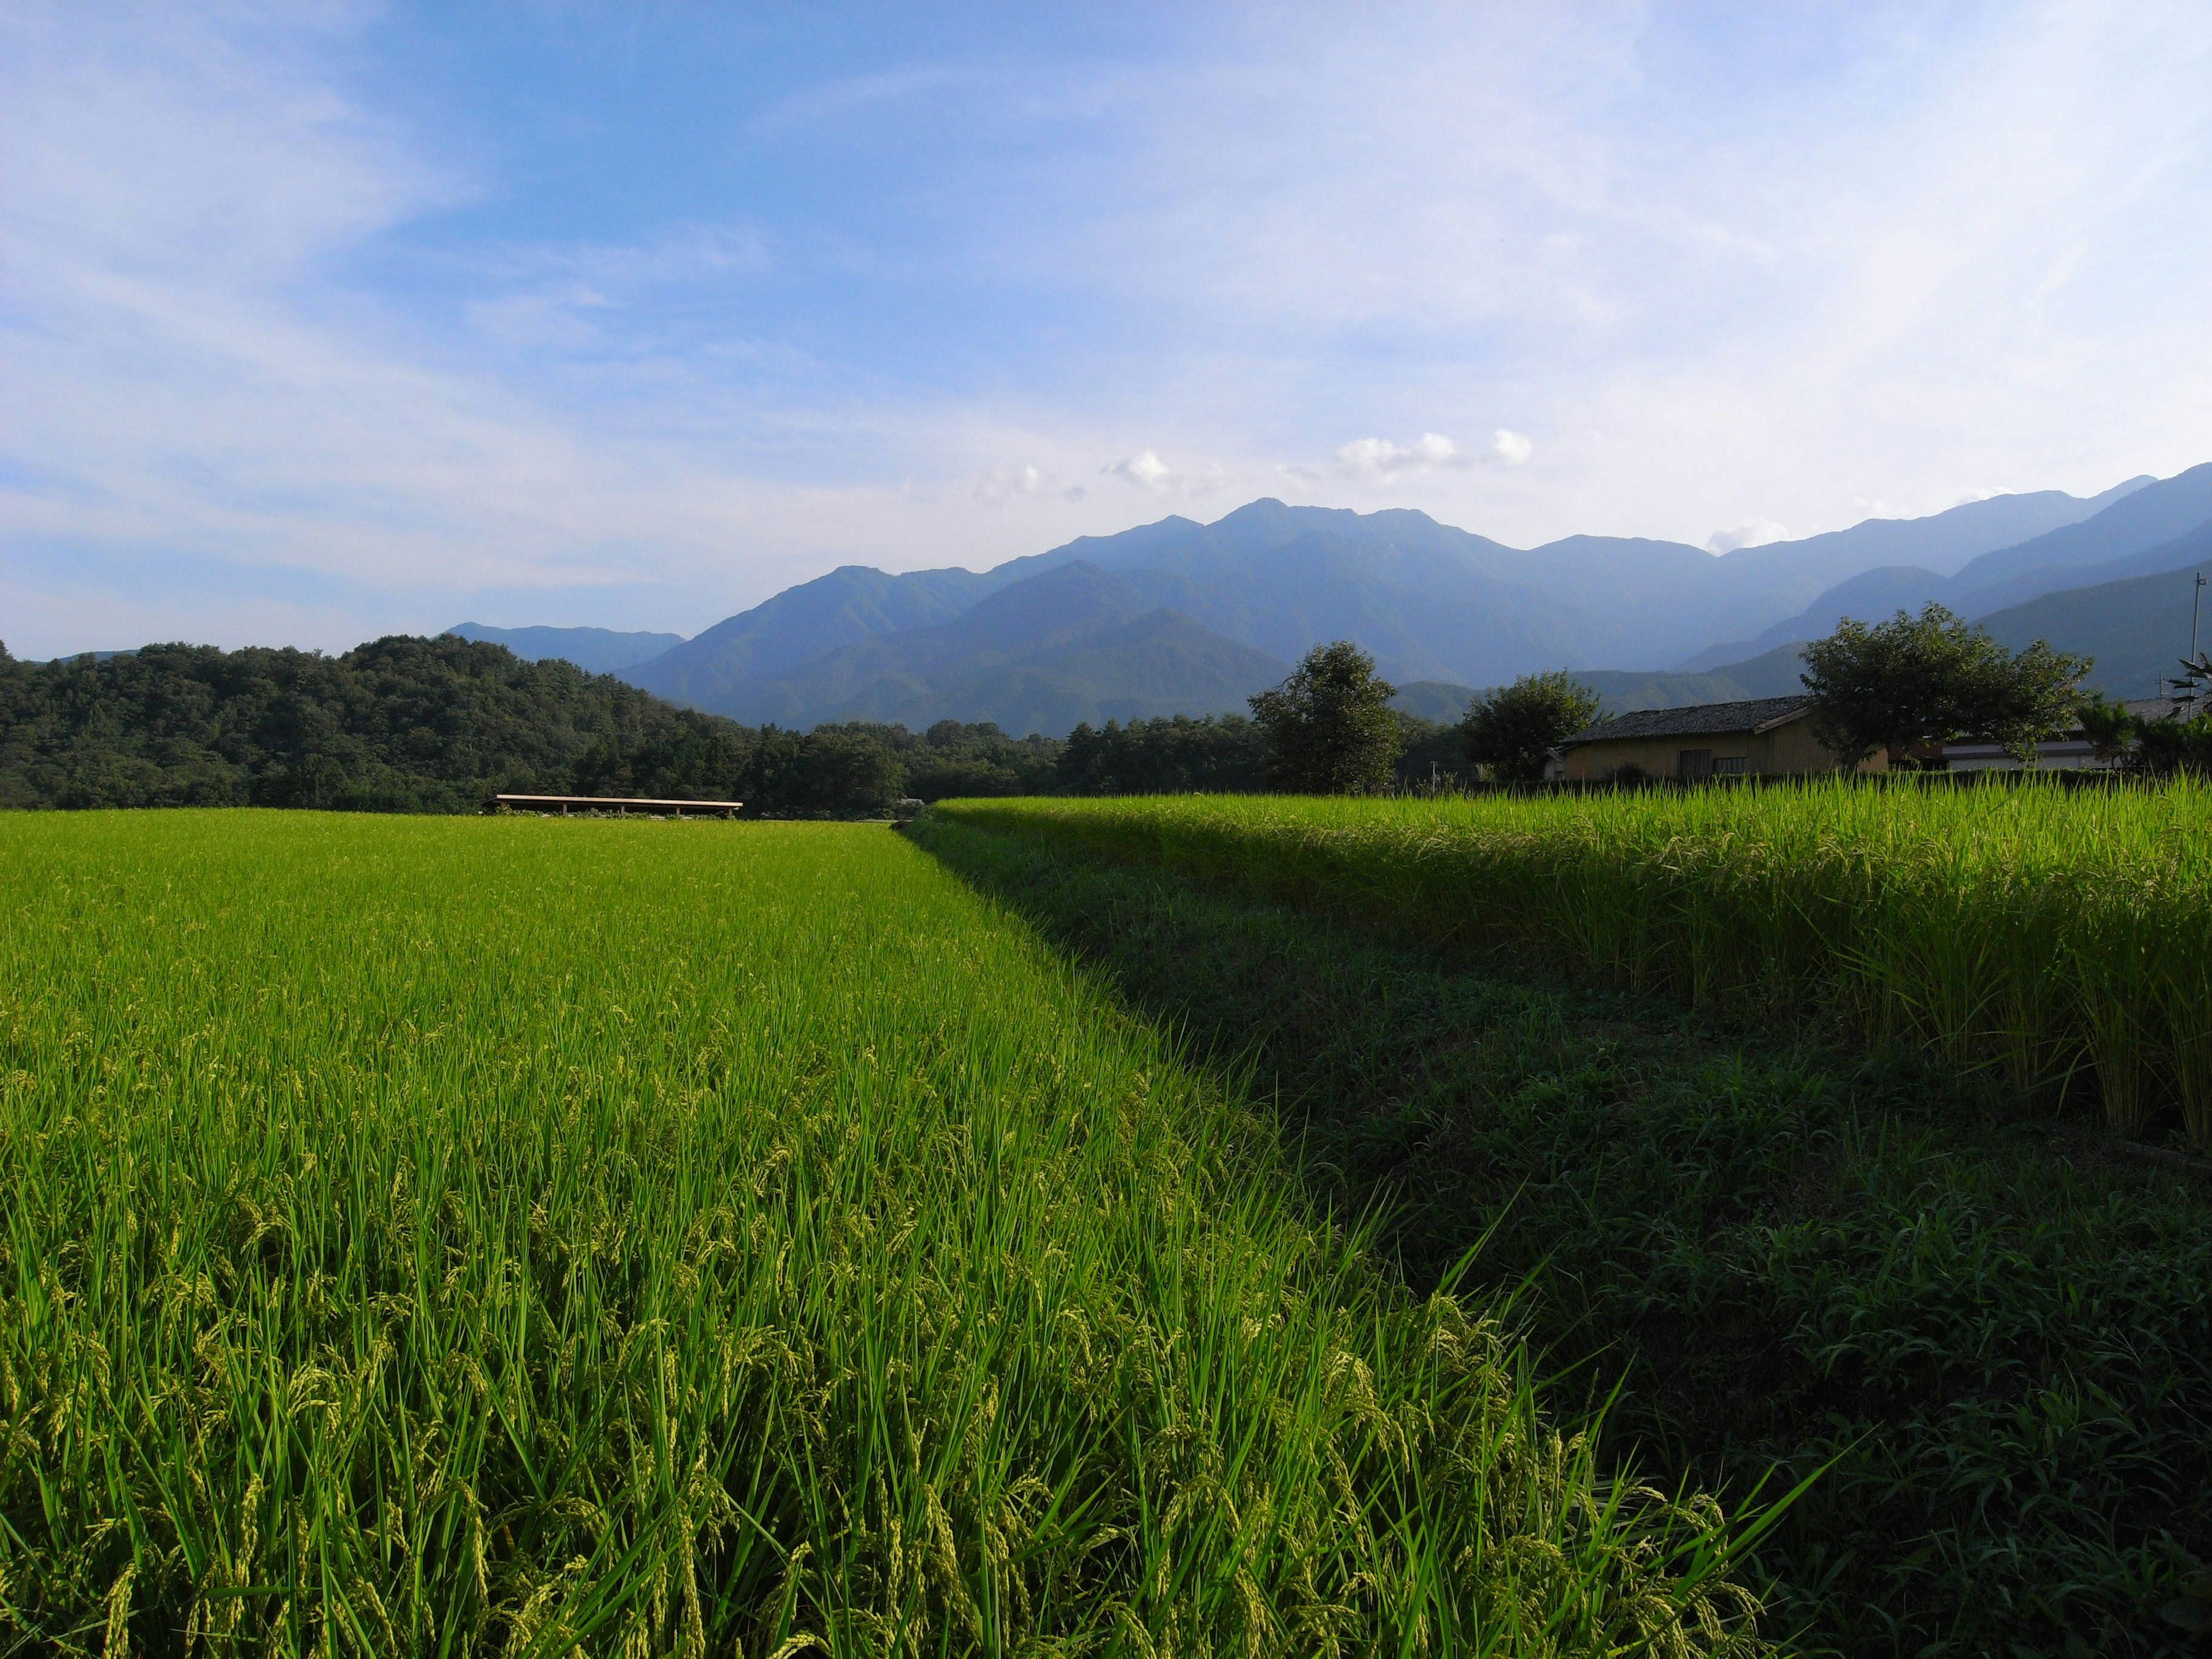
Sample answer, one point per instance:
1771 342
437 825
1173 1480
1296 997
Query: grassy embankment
459 1236
1797 1247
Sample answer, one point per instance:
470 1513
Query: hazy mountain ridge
2162 526
594 650
853 603
1053 637
2137 629
1069 644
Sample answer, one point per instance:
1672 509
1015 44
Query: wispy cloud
1378 460
1002 484
288 335
1149 472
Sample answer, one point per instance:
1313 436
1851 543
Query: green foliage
1177 755
2108 726
436 725
1432 754
979 759
2049 936
1994 1335
2196 676
826 773
1915 681
1514 729
399 725
503 1236
2169 748
1329 728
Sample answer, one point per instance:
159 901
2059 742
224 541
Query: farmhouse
1766 737
2071 752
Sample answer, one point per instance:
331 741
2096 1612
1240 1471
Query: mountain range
1182 617
596 650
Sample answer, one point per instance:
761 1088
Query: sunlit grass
446 1236
2061 939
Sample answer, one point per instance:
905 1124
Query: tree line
1904 688
410 725
404 723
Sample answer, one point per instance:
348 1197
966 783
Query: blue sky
321 320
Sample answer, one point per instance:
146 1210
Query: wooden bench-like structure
620 806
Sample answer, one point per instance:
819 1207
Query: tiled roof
2159 708
1699 720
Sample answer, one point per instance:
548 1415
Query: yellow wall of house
1787 750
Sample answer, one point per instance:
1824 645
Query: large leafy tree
1329 729
1517 726
1914 682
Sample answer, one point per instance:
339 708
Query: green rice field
442 1236
1744 1183
2059 940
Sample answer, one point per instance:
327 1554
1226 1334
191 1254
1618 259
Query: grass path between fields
468 1236
1998 1330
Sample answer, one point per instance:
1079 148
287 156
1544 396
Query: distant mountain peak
1268 580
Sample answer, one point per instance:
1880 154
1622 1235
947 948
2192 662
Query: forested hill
435 726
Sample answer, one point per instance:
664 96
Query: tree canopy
1169 756
1329 728
1514 729
1915 681
435 726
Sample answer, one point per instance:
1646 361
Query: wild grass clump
2060 939
444 1236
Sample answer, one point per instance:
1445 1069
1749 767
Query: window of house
1731 766
1693 763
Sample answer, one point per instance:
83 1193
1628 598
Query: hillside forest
412 725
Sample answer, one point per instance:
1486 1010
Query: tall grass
2064 938
444 1236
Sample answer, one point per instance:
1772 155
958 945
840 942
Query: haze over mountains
1180 617
598 650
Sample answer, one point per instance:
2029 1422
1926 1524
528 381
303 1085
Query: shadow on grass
1792 1256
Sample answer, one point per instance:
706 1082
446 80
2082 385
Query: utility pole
2185 689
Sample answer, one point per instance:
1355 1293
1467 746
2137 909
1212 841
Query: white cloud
1003 485
1378 460
1757 533
1145 468
1149 472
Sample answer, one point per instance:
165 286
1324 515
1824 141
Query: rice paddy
2060 941
442 1236
1987 1333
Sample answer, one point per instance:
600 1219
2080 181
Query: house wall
2060 754
1787 750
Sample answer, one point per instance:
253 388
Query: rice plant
1992 1335
2061 939
441 1236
